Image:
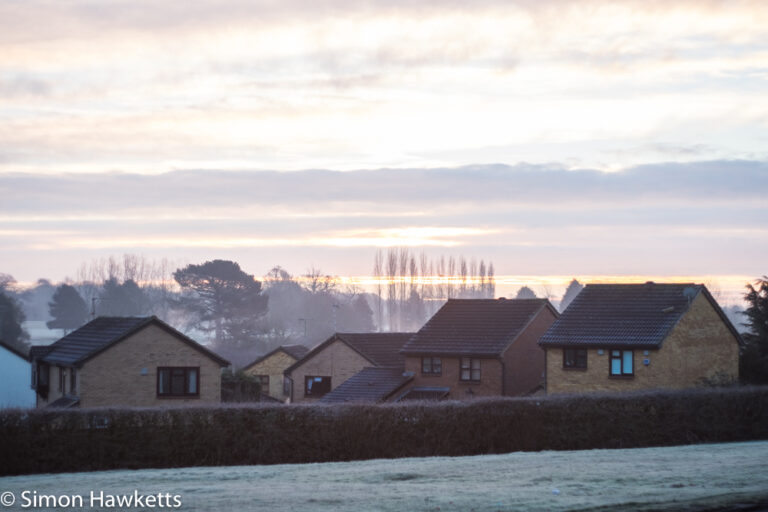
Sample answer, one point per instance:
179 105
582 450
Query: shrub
96 439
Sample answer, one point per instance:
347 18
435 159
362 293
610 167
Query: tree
573 289
125 299
753 361
11 320
223 299
525 293
67 308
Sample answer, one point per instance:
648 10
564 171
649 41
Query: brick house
617 337
269 369
479 347
126 361
340 357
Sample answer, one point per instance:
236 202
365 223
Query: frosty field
699 477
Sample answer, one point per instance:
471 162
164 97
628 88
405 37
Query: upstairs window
470 369
574 358
178 382
622 363
431 366
316 386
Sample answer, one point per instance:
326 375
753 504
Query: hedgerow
41 441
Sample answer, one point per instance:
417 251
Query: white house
15 388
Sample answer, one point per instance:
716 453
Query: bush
97 439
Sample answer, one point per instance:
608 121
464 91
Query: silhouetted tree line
409 288
244 317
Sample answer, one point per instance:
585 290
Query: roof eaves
544 305
265 356
723 316
313 352
14 350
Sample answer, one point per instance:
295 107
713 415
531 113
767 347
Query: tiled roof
369 385
295 351
474 326
424 393
627 315
100 333
65 402
39 351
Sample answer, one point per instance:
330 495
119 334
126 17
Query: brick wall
490 380
700 346
524 359
336 360
274 366
114 377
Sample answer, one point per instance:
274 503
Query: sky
553 137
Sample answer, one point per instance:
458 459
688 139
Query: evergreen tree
125 299
525 293
223 299
753 362
574 287
11 320
67 308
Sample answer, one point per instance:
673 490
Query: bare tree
463 275
491 281
482 279
317 282
378 263
392 287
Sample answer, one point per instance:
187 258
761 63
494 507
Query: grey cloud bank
672 219
740 183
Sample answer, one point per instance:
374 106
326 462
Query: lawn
695 477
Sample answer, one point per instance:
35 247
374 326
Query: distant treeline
43 441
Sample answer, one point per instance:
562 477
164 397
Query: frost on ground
698 477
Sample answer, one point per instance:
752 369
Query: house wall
274 366
524 359
336 360
15 380
114 377
699 347
490 378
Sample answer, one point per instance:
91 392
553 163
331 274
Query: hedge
42 441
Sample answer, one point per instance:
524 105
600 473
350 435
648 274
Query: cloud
208 192
23 85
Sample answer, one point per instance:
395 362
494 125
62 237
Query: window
621 363
470 369
431 366
316 386
43 372
264 381
574 358
178 381
62 379
72 381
